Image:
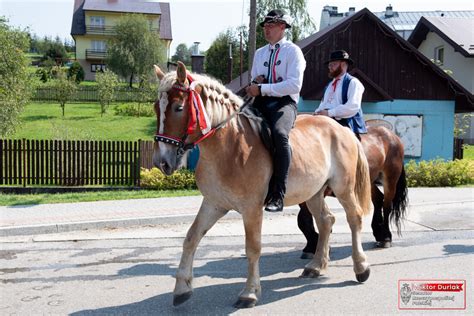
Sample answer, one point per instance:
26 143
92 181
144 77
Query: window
439 55
97 21
98 67
98 46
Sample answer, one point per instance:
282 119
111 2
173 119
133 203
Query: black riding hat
277 16
340 55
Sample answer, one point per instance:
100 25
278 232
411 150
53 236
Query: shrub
133 109
180 180
439 173
76 71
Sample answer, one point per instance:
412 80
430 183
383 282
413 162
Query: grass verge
468 152
47 198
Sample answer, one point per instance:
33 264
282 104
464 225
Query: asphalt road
131 270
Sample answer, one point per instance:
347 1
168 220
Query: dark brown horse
384 151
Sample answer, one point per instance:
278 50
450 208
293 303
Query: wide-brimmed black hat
340 55
277 16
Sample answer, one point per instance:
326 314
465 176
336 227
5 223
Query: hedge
432 173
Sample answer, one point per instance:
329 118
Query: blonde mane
219 101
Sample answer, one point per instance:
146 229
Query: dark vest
355 123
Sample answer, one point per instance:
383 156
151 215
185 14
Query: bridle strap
180 143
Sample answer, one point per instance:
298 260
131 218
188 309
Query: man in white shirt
343 95
277 78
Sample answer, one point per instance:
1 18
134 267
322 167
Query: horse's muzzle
165 160
166 168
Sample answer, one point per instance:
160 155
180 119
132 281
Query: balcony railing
96 54
102 30
105 30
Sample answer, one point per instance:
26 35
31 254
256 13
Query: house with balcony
93 23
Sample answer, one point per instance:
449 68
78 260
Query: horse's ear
159 73
181 71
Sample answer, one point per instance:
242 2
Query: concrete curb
117 223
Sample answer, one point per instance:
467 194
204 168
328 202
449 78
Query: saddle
259 124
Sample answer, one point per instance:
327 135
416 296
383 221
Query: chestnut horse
234 170
384 152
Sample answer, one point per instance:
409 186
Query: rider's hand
253 90
322 112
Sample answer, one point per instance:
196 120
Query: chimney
389 11
325 17
197 60
352 10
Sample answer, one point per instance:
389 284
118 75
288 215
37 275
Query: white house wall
462 67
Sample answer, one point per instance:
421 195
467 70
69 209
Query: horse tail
400 202
362 185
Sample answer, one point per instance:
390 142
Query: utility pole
252 34
229 64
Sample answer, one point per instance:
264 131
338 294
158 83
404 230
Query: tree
134 48
302 24
217 55
55 51
107 81
15 84
146 92
76 72
183 54
64 90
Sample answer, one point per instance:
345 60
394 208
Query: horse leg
253 245
389 194
306 225
354 218
378 217
324 220
205 219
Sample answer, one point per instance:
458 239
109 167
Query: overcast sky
196 21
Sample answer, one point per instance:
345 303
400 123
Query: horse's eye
179 108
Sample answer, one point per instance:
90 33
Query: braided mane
219 101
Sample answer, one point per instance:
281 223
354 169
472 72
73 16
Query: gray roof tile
129 6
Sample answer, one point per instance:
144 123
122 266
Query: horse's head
176 128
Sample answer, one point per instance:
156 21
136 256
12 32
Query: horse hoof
383 244
310 273
362 277
245 303
181 298
307 255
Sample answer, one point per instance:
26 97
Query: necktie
269 73
334 84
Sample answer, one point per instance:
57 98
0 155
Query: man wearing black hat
277 78
343 95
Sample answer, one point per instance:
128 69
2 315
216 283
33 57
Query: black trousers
280 114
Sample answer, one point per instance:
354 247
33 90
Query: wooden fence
88 94
73 163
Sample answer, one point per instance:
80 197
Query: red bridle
197 120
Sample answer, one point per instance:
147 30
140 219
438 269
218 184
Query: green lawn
468 152
82 121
